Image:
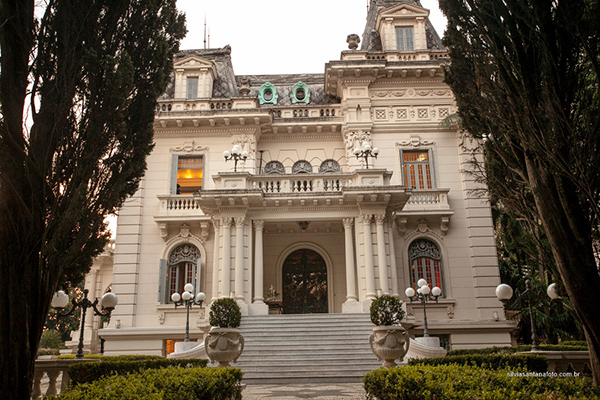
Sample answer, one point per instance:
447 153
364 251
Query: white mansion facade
302 213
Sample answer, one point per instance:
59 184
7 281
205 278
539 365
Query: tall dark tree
526 76
78 89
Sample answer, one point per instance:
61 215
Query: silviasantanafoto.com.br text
547 374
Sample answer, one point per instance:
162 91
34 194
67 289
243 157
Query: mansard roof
370 40
285 83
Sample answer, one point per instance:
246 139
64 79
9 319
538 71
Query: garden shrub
128 357
121 365
165 384
459 382
579 343
530 362
51 339
517 349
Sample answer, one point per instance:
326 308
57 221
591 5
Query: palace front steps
325 348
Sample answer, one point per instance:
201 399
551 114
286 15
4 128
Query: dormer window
192 87
405 38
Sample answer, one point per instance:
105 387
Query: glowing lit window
189 174
417 169
425 261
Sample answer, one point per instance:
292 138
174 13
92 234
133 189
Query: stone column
215 269
350 269
381 256
226 272
259 224
393 265
369 271
239 258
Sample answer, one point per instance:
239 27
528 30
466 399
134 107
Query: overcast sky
281 36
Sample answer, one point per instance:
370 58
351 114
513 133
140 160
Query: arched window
329 166
301 167
274 167
183 266
425 260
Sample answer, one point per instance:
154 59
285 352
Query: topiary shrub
121 365
162 384
458 382
386 310
51 339
531 362
225 313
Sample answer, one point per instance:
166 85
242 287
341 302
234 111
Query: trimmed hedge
108 366
531 362
459 382
517 349
128 357
163 384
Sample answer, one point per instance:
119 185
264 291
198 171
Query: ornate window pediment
302 167
329 166
274 167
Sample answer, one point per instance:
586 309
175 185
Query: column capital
380 219
366 218
259 224
216 223
226 221
240 221
348 223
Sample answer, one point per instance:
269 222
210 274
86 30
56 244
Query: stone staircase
309 348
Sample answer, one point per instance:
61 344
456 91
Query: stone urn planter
224 342
224 345
389 340
389 343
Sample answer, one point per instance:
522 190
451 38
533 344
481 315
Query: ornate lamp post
366 152
187 299
61 299
504 293
424 293
235 155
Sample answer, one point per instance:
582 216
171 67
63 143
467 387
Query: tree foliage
526 76
78 88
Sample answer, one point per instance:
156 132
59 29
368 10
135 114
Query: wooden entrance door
304 283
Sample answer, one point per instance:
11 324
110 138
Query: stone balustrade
178 205
54 371
427 200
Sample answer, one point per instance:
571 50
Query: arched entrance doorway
304 276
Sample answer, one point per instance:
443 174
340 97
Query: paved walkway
341 391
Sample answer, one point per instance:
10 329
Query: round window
268 95
300 95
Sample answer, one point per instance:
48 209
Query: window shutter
174 167
198 274
162 280
432 169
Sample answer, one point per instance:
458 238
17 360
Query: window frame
402 40
428 270
175 169
167 266
191 94
403 167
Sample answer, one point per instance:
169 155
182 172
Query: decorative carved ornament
274 167
424 248
414 141
302 167
329 166
189 147
185 252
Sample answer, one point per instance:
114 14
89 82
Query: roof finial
204 31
